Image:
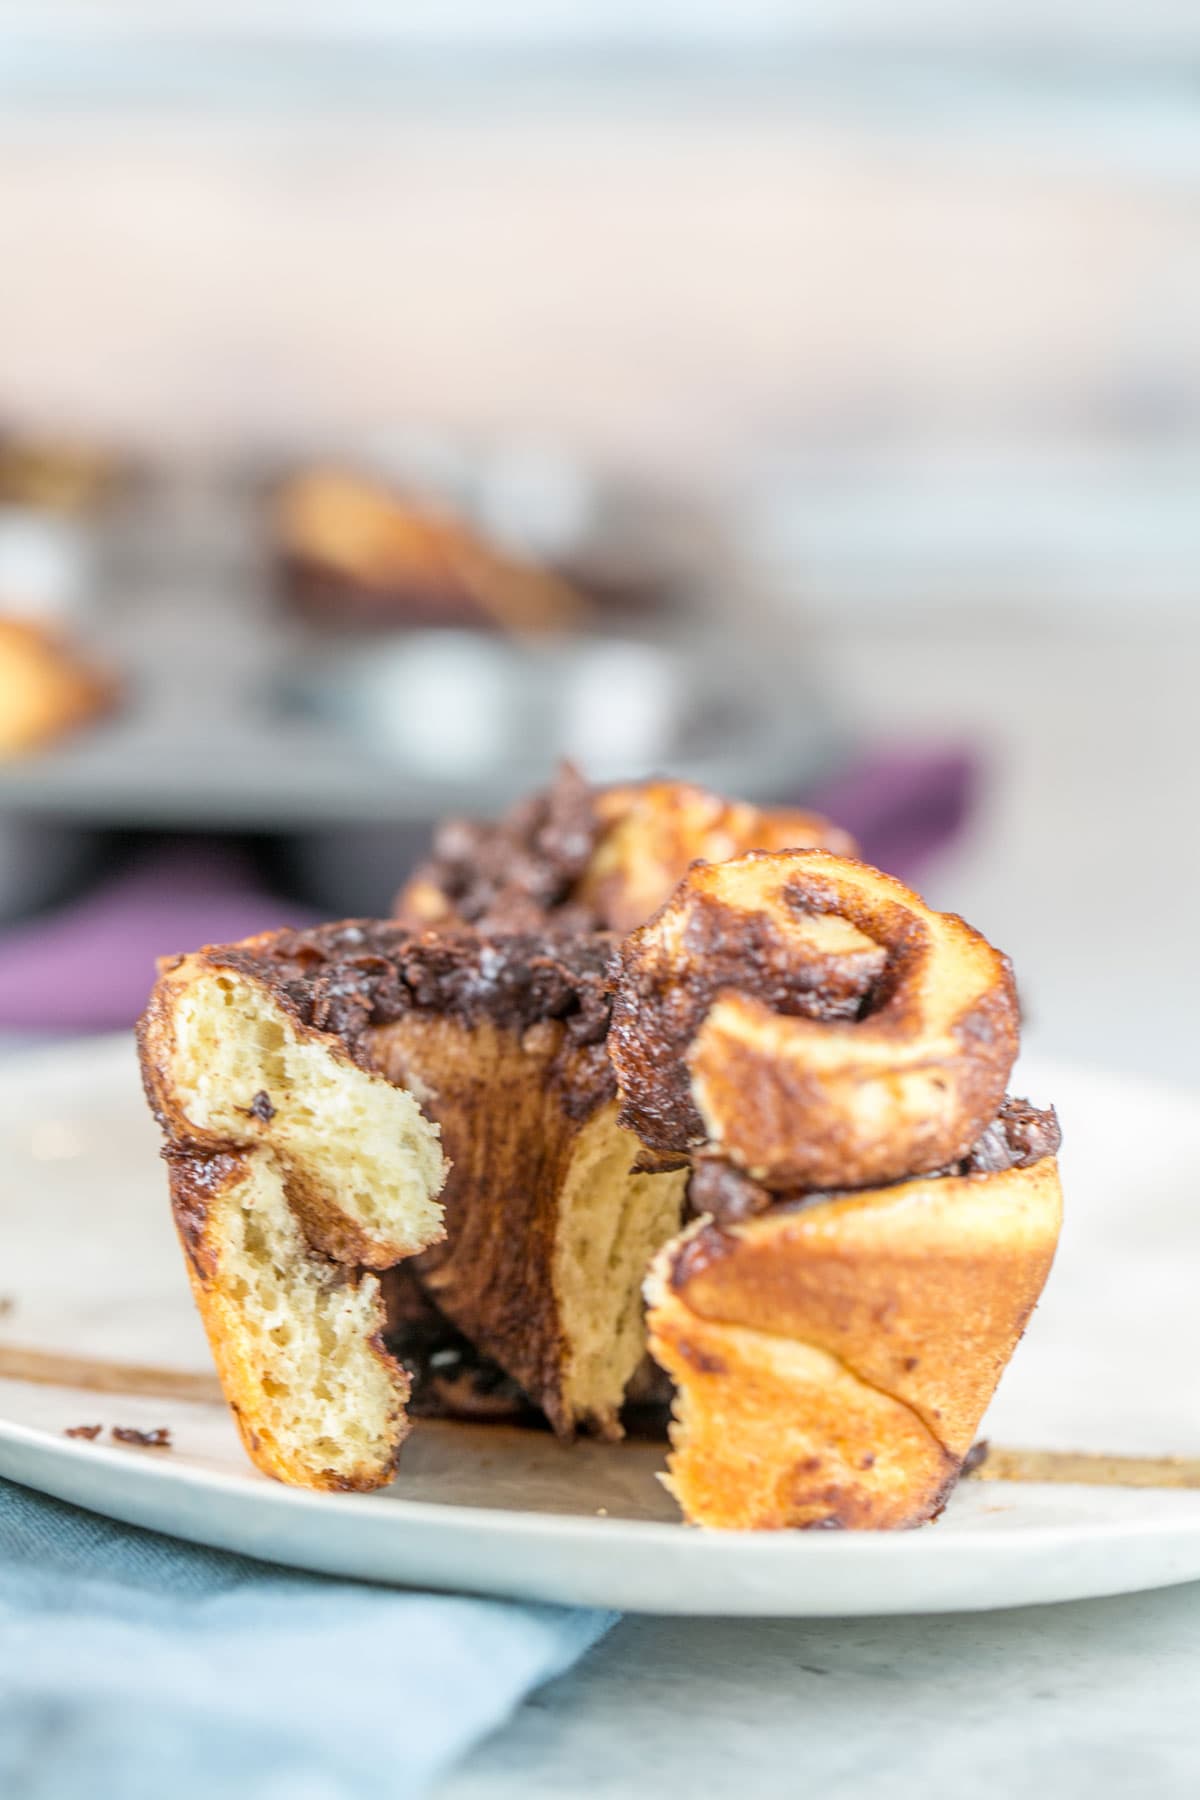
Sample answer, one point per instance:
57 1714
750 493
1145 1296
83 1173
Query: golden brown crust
834 1360
854 1035
650 833
773 1436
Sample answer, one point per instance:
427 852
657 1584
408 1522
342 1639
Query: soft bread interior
297 1340
365 1166
610 1224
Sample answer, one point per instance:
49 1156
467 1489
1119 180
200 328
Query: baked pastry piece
819 1056
813 1021
354 551
834 1353
577 862
876 1220
47 688
296 1170
310 1084
593 858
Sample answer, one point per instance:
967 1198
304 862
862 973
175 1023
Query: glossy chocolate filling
452 1380
1019 1135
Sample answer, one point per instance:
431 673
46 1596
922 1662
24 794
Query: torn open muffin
778 1104
310 1085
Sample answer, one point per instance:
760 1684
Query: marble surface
1092 1700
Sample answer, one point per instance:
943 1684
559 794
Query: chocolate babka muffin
330 1099
429 1164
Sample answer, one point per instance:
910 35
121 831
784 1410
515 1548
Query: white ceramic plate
97 1309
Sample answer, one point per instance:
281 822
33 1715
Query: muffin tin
236 715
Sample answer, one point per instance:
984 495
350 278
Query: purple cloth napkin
903 806
89 966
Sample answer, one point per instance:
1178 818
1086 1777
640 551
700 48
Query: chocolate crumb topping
90 1432
507 874
348 978
159 1438
1020 1135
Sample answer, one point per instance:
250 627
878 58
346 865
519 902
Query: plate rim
518 1522
138 1490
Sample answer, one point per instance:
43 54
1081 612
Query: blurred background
802 398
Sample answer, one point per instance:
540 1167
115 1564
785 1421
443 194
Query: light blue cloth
134 1667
